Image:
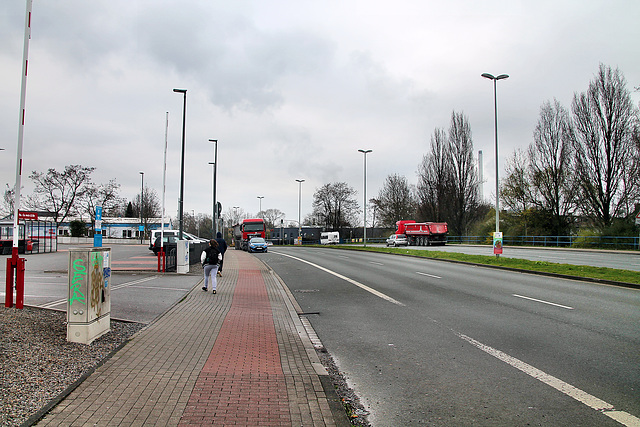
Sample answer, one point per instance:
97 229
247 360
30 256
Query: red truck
245 230
423 233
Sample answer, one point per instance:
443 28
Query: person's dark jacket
222 245
212 255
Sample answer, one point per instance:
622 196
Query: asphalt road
625 260
432 343
136 295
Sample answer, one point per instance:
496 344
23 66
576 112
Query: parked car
156 233
257 244
170 242
397 240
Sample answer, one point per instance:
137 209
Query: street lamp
299 181
261 197
215 169
141 205
184 125
365 194
495 112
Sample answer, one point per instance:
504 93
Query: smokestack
480 177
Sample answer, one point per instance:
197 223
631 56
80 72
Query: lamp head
502 76
180 90
488 76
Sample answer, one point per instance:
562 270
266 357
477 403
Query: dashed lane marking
581 396
543 301
428 275
353 282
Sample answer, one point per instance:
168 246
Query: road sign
33 216
638 219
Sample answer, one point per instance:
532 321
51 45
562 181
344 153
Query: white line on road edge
581 396
113 288
353 282
429 275
543 302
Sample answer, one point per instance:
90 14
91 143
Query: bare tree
335 206
271 217
434 179
464 188
395 200
59 193
151 207
105 195
515 188
551 168
8 201
606 155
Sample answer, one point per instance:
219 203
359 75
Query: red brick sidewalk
242 382
240 357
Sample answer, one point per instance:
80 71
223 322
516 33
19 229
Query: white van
330 238
156 233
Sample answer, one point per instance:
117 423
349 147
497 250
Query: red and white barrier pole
16 264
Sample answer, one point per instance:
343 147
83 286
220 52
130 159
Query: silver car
397 240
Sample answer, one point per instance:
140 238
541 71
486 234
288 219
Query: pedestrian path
239 357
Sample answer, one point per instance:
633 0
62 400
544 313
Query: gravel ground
37 363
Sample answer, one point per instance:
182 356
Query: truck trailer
423 233
245 230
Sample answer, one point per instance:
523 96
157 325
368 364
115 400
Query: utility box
182 258
89 297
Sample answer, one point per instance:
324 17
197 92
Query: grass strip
586 271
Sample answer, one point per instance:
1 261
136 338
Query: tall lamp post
365 194
184 125
260 198
141 205
495 114
215 170
299 181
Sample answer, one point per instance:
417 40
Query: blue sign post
97 234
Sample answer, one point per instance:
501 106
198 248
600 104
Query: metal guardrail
593 242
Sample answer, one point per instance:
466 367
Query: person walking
222 247
210 258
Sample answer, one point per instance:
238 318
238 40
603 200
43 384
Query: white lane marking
353 282
376 263
569 390
113 288
429 275
339 256
543 302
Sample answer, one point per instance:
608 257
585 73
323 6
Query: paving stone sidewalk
239 357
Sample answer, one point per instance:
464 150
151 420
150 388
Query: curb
335 403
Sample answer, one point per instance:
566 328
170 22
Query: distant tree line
580 172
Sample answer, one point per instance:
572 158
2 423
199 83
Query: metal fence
589 242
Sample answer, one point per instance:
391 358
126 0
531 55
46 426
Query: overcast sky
291 89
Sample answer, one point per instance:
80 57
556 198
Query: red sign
33 216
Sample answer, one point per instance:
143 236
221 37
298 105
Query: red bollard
20 283
161 264
8 296
18 265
